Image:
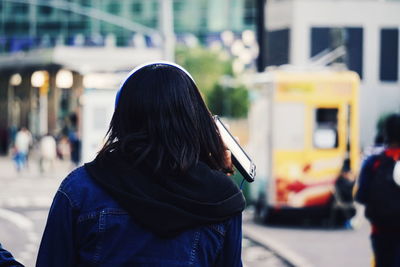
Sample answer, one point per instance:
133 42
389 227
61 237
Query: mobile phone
240 159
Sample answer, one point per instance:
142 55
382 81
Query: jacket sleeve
58 246
364 179
7 260
231 253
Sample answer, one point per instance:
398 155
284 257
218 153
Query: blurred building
362 34
82 38
27 24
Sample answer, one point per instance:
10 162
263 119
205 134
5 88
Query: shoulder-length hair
161 121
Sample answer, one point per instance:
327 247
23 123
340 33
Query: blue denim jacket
7 260
86 227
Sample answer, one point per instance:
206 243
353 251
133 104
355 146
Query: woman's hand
228 156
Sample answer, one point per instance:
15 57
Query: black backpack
383 204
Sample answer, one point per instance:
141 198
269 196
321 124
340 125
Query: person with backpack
379 191
158 193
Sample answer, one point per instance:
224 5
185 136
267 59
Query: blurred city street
305 85
25 199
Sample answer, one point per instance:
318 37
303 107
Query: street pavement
29 188
315 246
25 198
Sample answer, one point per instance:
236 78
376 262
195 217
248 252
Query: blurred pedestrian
7 260
345 183
75 143
64 148
379 191
74 140
23 141
48 153
343 196
157 193
3 140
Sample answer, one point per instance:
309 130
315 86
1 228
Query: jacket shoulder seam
71 202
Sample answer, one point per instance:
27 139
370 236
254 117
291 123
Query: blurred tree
207 68
205 65
229 101
215 99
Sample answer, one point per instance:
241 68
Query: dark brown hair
161 120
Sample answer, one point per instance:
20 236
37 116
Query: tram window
326 131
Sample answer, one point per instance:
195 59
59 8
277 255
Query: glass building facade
45 23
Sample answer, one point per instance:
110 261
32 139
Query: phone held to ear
240 159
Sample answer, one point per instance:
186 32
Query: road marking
27 226
26 202
18 219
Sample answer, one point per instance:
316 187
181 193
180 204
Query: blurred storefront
46 49
42 91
